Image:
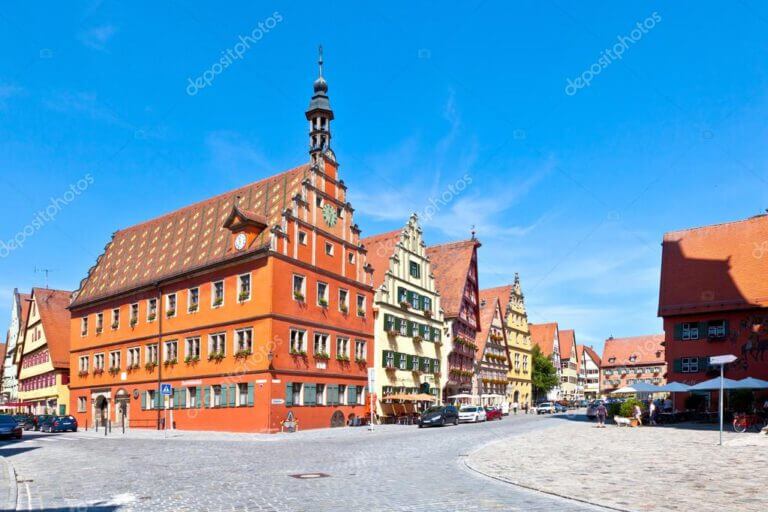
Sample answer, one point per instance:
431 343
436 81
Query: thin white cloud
97 38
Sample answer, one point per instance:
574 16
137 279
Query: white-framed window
152 353
133 317
351 256
98 361
217 294
296 397
170 305
116 318
690 364
242 394
389 359
193 299
322 294
244 340
244 287
360 395
403 327
716 329
414 269
82 363
303 237
342 347
99 322
84 326
299 284
403 363
82 403
114 359
320 394
151 309
321 343
342 394
416 301
151 399
192 397
360 350
298 341
171 350
192 349
690 331
217 344
343 300
360 304
329 248
134 357
216 395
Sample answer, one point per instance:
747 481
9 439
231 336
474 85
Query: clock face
329 215
240 241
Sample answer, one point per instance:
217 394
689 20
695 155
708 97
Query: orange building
633 360
454 266
253 305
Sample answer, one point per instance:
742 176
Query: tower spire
320 115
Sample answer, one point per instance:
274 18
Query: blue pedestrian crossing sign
166 390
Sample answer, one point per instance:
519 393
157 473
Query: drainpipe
159 347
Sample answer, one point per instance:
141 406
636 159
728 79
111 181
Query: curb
528 487
13 487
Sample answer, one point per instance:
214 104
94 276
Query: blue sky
572 188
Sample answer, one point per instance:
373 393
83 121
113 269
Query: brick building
252 304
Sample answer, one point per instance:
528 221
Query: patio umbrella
752 383
639 387
674 387
714 385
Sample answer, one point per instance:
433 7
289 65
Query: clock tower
320 115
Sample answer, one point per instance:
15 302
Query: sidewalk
7 486
645 469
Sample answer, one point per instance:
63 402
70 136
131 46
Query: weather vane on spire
320 59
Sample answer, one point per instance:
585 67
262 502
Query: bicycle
745 422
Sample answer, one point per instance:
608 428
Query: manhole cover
309 476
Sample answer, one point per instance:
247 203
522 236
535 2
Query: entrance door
102 410
122 411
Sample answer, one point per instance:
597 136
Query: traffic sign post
167 390
371 395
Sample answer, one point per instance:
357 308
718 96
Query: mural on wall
754 329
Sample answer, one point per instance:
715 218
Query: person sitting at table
668 405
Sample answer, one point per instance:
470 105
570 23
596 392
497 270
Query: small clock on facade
240 241
329 215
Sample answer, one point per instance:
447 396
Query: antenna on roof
474 232
45 271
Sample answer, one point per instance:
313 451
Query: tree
544 375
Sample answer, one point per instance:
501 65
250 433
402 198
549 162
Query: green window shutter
144 400
703 330
198 393
158 400
308 399
398 356
408 361
678 332
351 395
402 294
232 395
410 328
250 394
727 329
289 393
398 322
207 395
183 395
385 353
677 365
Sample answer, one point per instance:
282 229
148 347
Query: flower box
132 367
216 356
150 366
170 313
360 313
151 317
98 371
392 332
428 313
218 302
322 303
191 359
192 308
298 296
342 358
344 309
243 296
405 304
298 353
242 354
133 322
82 373
360 360
322 356
170 362
418 338
115 325
114 371
99 329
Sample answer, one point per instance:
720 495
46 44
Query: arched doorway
101 410
337 419
516 397
122 407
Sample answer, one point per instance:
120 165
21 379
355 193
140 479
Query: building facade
408 329
43 356
589 371
454 266
714 301
637 359
490 379
519 344
254 305
569 377
547 338
19 308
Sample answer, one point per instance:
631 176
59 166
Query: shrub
627 409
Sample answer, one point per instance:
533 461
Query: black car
439 415
26 421
9 427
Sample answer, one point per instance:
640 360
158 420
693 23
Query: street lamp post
722 361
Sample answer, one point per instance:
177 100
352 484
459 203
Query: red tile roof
450 265
504 293
186 239
714 268
592 354
543 335
567 343
24 302
489 303
646 349
380 248
54 315
3 348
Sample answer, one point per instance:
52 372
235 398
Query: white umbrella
639 387
674 387
461 395
714 385
752 383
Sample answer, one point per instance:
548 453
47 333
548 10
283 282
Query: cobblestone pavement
393 468
678 468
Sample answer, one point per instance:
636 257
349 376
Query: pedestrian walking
638 415
602 412
515 406
652 413
525 407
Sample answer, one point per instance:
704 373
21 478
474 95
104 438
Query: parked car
545 408
472 413
583 403
592 409
9 427
505 408
26 421
59 424
39 419
493 413
560 407
439 415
